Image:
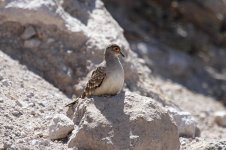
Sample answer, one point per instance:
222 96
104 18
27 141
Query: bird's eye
116 49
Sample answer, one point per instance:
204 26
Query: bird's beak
122 54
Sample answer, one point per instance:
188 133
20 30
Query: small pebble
34 142
32 43
16 113
1 78
45 142
1 146
220 118
6 83
7 144
31 104
8 127
30 95
20 141
23 134
1 100
48 117
22 104
43 103
38 134
28 33
33 112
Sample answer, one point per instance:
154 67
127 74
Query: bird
108 78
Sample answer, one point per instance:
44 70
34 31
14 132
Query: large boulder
125 121
63 40
60 126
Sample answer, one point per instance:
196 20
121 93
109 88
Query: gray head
113 50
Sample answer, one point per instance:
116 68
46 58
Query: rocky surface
220 118
125 121
28 104
61 41
207 145
186 123
60 127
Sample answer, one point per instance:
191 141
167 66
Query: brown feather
96 80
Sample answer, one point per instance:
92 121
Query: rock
186 123
17 113
40 142
54 50
1 146
6 82
1 100
209 144
220 118
124 121
7 144
9 127
22 103
28 33
60 126
32 43
43 103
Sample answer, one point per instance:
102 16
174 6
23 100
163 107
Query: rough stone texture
27 107
220 118
209 145
125 121
60 126
186 123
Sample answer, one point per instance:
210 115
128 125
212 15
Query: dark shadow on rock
154 29
113 109
189 71
79 9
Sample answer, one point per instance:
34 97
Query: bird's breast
112 84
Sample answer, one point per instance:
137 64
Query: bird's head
114 49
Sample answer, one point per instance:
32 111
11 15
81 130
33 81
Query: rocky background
175 74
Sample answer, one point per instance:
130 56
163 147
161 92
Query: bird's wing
96 80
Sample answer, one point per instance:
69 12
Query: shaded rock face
188 25
64 40
179 40
125 121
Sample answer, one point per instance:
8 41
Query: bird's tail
72 103
75 100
